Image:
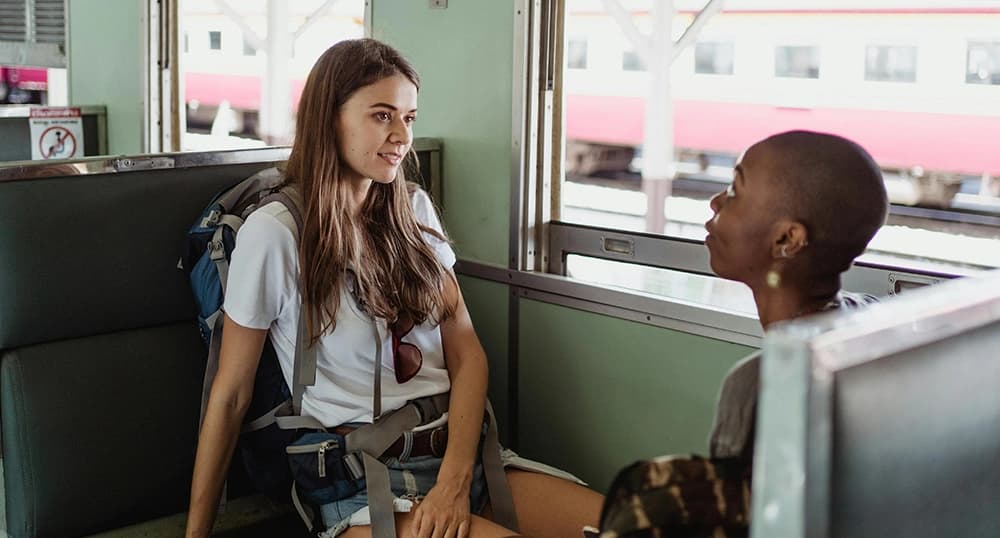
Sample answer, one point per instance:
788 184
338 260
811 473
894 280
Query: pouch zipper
320 450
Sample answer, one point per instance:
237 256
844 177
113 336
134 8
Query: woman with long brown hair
370 252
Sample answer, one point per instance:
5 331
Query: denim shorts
410 480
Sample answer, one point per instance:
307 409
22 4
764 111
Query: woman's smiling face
375 129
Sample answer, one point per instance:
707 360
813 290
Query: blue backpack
207 250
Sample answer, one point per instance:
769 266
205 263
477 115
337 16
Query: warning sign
56 133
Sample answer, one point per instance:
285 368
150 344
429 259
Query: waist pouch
317 465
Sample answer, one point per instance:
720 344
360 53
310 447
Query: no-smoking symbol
57 143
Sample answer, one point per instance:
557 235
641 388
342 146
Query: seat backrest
100 360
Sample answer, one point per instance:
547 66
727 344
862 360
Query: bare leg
479 528
550 507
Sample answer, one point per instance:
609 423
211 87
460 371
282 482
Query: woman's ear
788 239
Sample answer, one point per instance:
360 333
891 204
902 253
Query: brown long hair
396 270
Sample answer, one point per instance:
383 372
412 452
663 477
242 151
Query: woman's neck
790 302
359 187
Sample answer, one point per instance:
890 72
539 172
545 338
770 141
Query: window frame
538 269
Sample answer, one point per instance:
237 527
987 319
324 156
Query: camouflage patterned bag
679 496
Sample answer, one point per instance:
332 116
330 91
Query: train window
248 48
983 65
631 61
234 96
576 53
796 61
33 33
651 170
891 63
713 58
215 40
678 285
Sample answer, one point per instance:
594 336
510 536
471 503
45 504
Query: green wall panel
464 57
597 392
106 66
488 305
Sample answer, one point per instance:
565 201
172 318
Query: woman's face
740 232
375 129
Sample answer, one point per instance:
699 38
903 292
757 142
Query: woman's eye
730 191
383 116
411 119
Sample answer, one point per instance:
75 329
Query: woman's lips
391 158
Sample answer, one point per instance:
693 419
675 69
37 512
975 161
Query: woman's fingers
439 525
421 529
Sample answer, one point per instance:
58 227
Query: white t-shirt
262 293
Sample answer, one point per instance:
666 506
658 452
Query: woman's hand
444 512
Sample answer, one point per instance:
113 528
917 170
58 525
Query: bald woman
802 206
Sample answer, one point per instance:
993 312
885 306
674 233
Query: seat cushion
99 432
98 253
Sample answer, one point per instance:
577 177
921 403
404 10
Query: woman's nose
400 133
716 202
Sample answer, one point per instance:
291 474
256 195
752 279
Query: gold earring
773 279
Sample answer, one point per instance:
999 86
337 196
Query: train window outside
713 58
684 286
796 61
576 53
226 77
983 66
631 61
891 63
215 40
931 133
248 48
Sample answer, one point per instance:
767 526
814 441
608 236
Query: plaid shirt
693 496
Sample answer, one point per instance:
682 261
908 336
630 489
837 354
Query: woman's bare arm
228 401
447 504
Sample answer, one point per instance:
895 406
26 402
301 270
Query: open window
646 149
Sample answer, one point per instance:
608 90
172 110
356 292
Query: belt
432 442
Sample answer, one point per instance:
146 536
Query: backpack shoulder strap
288 196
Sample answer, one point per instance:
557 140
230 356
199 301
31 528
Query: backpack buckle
216 250
211 219
354 466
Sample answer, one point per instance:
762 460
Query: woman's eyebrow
387 105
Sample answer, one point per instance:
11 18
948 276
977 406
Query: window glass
713 58
796 61
225 76
215 40
983 65
576 53
631 61
687 287
25 85
896 64
933 135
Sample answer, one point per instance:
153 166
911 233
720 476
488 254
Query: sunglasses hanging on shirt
406 357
